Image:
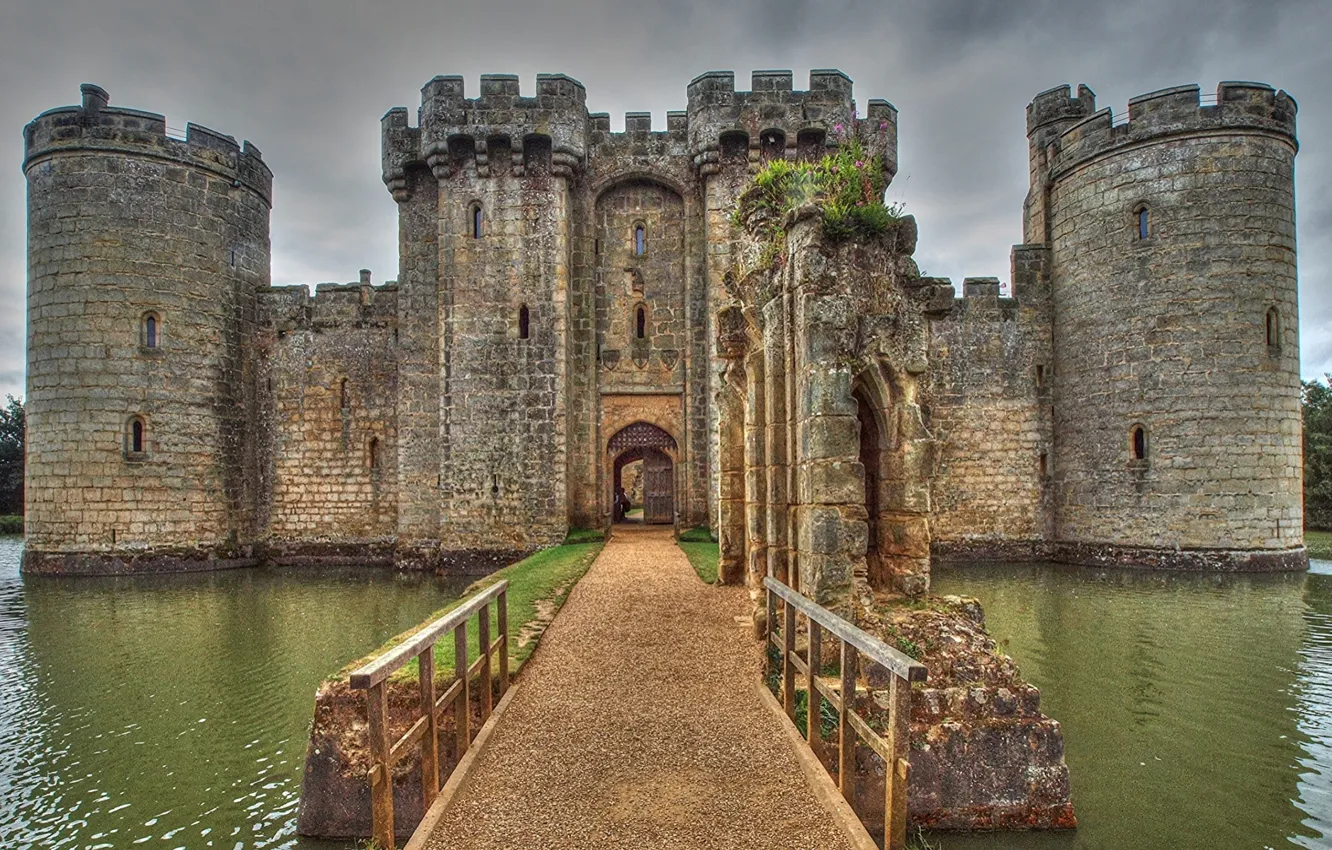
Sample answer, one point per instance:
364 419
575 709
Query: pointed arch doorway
643 441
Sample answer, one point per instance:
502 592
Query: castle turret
144 254
483 186
1175 329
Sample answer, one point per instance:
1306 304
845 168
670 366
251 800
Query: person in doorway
621 504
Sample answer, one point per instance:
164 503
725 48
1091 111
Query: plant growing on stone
847 184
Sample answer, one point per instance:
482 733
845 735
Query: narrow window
342 394
1273 328
640 241
476 221
640 328
150 331
135 439
1040 375
1138 443
524 322
1144 223
372 453
1044 465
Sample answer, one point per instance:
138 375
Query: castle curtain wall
329 381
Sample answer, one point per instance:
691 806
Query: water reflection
1195 708
172 711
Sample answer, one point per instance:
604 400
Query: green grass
547 576
11 524
702 552
1319 543
584 535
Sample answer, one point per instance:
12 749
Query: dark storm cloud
307 81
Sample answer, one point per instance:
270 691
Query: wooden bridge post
770 626
814 713
502 623
788 664
483 646
896 770
430 745
462 704
846 733
381 781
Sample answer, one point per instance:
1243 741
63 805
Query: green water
1197 710
172 712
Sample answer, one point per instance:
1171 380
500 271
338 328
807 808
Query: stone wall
126 224
331 392
989 401
492 379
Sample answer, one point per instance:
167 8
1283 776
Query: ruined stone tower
566 305
145 255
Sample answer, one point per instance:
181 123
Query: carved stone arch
733 145
659 452
772 143
641 435
635 175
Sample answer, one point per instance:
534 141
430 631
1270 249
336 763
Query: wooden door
658 489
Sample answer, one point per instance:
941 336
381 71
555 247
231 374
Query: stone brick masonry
464 413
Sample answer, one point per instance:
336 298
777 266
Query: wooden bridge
643 721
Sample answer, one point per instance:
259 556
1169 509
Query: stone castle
568 302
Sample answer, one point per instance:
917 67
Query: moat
172 712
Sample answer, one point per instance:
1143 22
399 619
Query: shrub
848 184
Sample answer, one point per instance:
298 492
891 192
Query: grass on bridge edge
702 552
538 587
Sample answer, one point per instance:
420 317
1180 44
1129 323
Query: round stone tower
145 252
1175 332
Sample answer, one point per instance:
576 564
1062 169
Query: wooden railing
854 643
373 679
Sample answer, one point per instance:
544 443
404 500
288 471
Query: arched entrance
644 442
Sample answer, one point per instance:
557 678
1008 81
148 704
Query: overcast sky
308 80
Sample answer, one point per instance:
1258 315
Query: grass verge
11 524
1319 543
538 586
702 552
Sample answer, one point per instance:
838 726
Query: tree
13 426
1317 399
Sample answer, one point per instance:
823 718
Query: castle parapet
774 119
332 305
498 128
1176 111
94 125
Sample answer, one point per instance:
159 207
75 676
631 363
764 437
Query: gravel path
636 724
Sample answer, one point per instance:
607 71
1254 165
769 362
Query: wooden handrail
854 643
424 729
376 671
867 644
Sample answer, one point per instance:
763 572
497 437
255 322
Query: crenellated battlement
638 139
331 305
773 117
1056 105
96 126
1168 112
500 127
